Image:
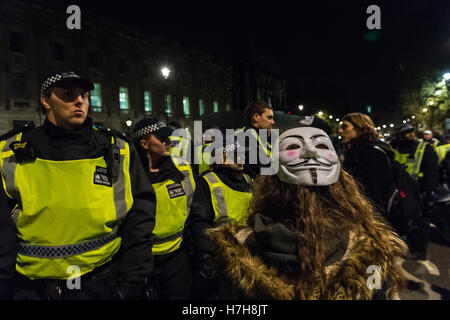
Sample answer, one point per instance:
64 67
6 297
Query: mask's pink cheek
331 156
288 155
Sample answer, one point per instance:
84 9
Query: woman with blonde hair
366 158
311 233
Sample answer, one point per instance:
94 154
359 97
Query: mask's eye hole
322 146
293 147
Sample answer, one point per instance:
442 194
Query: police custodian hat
60 78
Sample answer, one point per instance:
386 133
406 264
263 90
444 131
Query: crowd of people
91 213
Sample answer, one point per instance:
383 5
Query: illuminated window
215 106
96 98
123 100
186 109
168 109
147 102
201 107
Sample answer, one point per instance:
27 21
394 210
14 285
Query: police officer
78 201
421 162
258 115
222 195
428 137
174 182
203 152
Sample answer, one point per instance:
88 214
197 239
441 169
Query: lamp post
128 123
165 74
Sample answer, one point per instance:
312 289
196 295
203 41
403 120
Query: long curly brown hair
314 212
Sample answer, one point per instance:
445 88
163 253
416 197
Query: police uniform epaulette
14 131
112 132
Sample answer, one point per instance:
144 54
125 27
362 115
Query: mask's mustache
314 163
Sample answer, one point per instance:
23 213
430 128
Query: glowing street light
431 103
165 72
447 76
320 113
337 119
331 117
391 125
129 123
413 117
404 121
384 126
424 109
300 107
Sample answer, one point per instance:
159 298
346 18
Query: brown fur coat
347 276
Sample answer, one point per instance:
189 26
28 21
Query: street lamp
300 107
165 72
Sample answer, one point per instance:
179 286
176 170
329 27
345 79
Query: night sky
318 44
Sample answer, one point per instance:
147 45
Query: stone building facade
124 63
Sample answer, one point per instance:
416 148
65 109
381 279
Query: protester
311 233
363 158
79 201
421 162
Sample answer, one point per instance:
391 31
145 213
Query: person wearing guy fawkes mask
222 195
311 233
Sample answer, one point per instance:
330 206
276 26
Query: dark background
319 45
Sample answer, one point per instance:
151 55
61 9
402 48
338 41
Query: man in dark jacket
259 116
80 203
421 162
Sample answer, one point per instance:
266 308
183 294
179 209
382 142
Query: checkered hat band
146 130
64 251
55 78
226 149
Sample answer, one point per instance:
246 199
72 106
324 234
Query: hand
208 266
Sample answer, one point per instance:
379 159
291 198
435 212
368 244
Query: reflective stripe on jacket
228 204
204 157
68 211
412 165
173 203
266 147
179 147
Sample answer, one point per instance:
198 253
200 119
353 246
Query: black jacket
371 168
134 260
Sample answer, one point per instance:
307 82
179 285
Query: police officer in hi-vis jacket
74 202
173 179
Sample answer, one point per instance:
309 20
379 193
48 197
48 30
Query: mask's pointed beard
313 172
